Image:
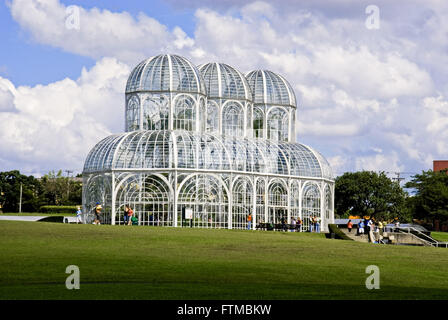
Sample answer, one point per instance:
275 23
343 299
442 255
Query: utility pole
398 179
20 199
68 182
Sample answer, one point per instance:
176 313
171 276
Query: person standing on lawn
78 215
126 215
249 221
130 214
317 224
311 223
97 213
361 226
349 225
299 224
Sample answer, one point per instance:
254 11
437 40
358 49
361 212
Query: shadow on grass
200 291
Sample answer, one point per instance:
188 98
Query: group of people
314 224
96 214
367 225
295 225
371 227
128 216
313 221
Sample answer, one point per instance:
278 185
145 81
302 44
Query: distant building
439 165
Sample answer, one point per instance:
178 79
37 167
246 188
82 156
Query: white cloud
379 162
56 125
101 33
374 99
7 91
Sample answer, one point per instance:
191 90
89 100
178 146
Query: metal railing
430 241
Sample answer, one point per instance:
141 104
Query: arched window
202 116
242 203
233 120
295 200
206 196
212 117
249 123
149 197
261 201
278 124
133 114
155 113
278 201
258 123
328 203
184 113
310 204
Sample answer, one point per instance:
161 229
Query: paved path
21 218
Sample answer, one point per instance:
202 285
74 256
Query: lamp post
20 199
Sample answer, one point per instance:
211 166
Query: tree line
51 189
363 193
424 199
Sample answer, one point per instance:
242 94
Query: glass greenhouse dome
213 141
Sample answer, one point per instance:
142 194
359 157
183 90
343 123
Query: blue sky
373 99
26 62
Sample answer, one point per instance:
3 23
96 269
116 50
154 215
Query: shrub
337 232
58 209
59 219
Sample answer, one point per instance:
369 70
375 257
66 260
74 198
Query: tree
430 201
367 193
10 182
60 190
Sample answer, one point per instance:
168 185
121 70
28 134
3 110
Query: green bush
59 219
337 232
58 209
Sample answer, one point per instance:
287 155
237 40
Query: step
353 235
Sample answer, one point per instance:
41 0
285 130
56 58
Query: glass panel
233 120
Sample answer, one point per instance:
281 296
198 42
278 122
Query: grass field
130 262
440 236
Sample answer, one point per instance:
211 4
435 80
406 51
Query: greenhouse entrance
276 214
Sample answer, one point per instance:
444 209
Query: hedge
52 219
337 232
58 209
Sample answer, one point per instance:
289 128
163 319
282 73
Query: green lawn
130 262
440 236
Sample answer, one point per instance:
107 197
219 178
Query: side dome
270 88
166 73
224 81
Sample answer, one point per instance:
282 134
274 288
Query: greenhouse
204 147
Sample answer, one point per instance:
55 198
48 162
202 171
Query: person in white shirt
79 215
293 225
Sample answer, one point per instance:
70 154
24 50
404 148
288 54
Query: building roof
270 88
224 81
165 73
143 150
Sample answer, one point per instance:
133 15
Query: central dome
223 81
165 73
